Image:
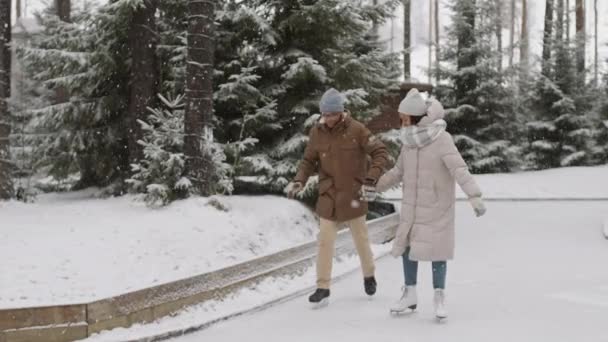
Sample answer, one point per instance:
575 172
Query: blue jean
410 271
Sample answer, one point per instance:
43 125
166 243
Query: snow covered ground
533 271
72 248
568 182
519 270
56 250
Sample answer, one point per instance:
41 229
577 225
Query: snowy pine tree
161 173
273 60
482 119
86 134
256 113
562 134
300 50
172 25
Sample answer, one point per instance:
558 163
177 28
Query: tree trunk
498 5
63 8
18 9
580 39
437 37
375 26
6 184
512 36
407 71
524 51
465 84
144 73
199 94
559 31
596 76
430 39
567 22
565 76
547 33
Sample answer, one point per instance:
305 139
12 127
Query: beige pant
327 238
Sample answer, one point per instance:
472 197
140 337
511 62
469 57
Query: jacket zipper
415 191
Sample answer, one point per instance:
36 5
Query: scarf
420 136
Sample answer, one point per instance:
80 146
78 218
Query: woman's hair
416 119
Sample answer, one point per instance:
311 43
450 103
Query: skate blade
410 310
405 312
320 305
441 319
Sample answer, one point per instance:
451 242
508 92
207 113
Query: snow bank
73 248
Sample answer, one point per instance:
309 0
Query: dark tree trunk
568 22
18 9
407 71
524 49
547 36
64 7
199 95
465 84
596 75
144 73
559 23
430 65
512 35
580 38
437 38
498 6
6 184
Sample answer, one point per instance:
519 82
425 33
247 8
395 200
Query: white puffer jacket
429 174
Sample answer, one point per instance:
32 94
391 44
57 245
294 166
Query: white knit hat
413 104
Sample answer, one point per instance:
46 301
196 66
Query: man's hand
293 189
368 193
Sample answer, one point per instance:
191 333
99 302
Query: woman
428 166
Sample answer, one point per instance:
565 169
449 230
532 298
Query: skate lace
439 298
403 292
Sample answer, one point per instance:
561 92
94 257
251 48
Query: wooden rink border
63 323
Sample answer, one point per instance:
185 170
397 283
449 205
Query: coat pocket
326 206
325 185
352 159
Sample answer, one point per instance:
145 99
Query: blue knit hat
331 102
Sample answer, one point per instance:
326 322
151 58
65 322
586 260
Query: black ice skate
319 299
370 285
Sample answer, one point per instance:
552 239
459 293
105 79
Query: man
338 149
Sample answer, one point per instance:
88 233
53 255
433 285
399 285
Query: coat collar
340 126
